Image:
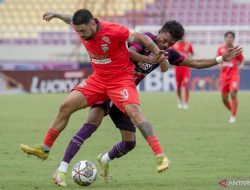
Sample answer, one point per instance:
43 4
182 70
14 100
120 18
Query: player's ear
92 22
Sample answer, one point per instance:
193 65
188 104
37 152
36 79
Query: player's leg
126 98
225 100
127 130
92 122
186 88
224 94
146 129
75 101
234 87
178 88
120 149
84 94
234 107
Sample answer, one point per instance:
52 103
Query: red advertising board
41 81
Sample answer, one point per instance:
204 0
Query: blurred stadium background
41 57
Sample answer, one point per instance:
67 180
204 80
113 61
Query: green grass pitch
202 147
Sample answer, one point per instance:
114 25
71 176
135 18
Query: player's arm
150 45
205 63
64 17
136 57
241 65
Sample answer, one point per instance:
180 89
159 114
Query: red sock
228 105
155 145
234 106
50 137
186 94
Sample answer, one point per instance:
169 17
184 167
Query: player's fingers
238 52
161 52
239 49
236 47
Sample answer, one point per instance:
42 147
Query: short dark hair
229 32
174 28
82 16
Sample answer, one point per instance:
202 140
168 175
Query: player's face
229 39
164 40
86 31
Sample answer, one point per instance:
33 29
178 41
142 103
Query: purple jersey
142 68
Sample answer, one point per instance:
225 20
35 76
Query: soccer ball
84 173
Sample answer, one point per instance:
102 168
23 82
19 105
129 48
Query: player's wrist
219 59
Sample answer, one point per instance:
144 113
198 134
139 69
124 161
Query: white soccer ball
84 173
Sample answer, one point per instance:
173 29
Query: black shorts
120 120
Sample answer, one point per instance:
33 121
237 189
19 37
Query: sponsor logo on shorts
124 94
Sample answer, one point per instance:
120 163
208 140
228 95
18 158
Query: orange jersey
108 52
229 68
186 49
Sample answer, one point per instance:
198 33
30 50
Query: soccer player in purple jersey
170 32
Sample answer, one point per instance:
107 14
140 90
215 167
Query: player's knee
136 117
96 123
65 108
130 145
234 94
224 98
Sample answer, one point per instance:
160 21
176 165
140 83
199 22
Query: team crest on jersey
105 48
106 39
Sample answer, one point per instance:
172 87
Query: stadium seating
21 19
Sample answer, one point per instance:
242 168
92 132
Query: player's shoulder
188 43
222 47
149 34
109 26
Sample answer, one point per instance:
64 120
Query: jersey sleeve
240 58
218 53
174 57
138 47
191 51
120 33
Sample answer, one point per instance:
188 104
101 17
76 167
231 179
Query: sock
186 94
63 167
234 106
50 138
121 149
74 145
105 157
155 145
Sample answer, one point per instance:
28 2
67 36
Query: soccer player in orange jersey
230 76
112 78
182 73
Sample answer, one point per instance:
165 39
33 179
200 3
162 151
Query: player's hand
232 53
48 16
241 66
159 57
164 65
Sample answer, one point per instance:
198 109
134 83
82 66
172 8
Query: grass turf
202 146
